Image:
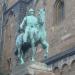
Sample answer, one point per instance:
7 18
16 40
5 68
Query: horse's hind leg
20 56
45 46
21 59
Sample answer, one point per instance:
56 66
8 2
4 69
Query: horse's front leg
33 47
33 51
45 46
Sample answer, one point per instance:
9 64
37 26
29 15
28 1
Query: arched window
56 71
58 11
73 64
65 69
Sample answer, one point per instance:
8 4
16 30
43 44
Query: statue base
36 68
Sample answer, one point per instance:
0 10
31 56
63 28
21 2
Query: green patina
34 30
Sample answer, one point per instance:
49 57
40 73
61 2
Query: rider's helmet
31 11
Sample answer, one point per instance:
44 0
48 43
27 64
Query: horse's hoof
22 63
46 56
33 60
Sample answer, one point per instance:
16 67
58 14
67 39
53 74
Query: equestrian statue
33 34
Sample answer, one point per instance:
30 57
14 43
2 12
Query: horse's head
42 14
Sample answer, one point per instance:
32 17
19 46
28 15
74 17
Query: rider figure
29 24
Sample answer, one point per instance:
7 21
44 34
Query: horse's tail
16 51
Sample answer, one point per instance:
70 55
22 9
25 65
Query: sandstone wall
9 43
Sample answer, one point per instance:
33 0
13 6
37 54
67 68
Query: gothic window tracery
58 11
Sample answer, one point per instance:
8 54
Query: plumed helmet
31 10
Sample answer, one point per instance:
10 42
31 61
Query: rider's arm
23 23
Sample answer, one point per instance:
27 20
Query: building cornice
60 56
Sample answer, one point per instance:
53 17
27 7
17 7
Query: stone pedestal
39 69
32 69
